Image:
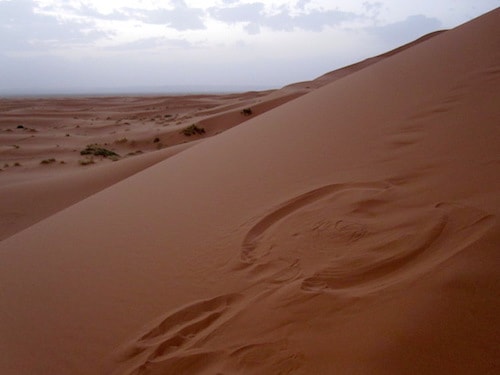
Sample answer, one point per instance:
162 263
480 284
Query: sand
348 227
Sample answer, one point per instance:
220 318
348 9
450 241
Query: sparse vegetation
17 164
121 140
22 127
156 140
48 161
192 130
96 150
16 146
246 111
87 161
138 152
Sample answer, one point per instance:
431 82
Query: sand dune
38 134
39 129
351 230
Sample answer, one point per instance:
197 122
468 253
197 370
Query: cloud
302 4
253 14
241 13
315 20
152 43
252 28
180 18
22 28
372 6
92 13
405 31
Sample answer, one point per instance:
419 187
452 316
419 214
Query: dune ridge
128 125
352 230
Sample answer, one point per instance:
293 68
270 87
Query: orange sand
348 227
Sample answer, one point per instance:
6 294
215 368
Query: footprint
397 141
422 244
269 357
175 336
365 266
261 228
358 237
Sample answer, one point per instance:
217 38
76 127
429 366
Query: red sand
352 230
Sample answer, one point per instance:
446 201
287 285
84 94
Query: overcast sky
84 45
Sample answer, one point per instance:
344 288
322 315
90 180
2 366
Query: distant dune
346 225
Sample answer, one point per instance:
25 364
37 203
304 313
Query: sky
51 46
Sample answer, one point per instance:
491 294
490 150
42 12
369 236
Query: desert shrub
86 161
96 150
17 164
156 140
48 161
192 130
121 140
246 111
138 152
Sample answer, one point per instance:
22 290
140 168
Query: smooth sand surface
351 230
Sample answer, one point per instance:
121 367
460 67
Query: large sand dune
351 230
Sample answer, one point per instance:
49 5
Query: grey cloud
253 14
302 4
404 31
21 28
313 21
152 43
88 11
180 18
372 7
252 28
242 13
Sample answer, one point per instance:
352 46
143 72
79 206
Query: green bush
192 130
96 150
246 111
86 161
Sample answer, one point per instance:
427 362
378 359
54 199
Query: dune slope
353 230
54 130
